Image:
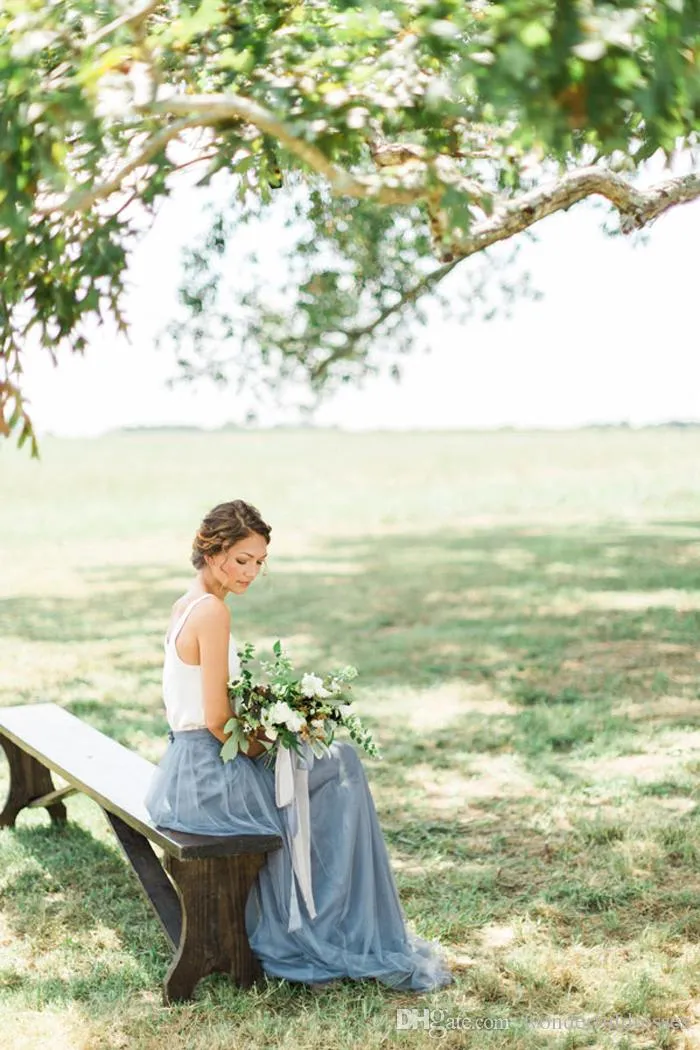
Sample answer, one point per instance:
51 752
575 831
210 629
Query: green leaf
535 34
208 15
90 72
232 746
239 61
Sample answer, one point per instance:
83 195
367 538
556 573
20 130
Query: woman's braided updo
225 525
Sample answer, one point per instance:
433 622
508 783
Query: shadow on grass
73 899
490 661
504 610
125 721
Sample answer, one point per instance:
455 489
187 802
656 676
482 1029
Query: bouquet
291 709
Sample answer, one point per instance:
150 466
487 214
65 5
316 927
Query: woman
356 927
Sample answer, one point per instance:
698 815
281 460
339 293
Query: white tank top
182 683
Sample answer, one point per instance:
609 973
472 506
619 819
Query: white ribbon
292 795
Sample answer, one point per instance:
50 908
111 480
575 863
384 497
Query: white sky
614 339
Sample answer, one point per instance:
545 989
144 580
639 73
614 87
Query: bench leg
29 780
154 882
213 893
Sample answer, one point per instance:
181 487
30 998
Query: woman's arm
213 630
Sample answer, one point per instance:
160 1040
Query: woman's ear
209 562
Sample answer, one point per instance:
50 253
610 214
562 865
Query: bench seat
200 887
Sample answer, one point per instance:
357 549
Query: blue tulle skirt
360 929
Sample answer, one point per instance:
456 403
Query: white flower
279 712
312 685
294 722
270 732
318 723
32 42
345 710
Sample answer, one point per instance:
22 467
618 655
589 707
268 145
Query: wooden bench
199 890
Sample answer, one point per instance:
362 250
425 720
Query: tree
409 136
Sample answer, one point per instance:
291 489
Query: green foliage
353 301
474 94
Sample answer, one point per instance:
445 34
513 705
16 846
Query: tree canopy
408 136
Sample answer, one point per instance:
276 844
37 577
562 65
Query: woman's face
240 564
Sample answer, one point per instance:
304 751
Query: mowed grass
524 609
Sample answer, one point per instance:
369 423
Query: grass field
524 609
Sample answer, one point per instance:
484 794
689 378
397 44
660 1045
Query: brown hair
225 525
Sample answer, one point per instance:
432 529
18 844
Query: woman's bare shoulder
214 610
212 613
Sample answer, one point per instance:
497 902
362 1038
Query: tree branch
355 334
133 18
408 183
82 200
212 109
637 207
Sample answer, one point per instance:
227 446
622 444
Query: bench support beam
29 782
213 893
52 797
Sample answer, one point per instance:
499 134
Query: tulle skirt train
360 929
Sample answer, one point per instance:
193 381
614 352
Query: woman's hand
255 748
